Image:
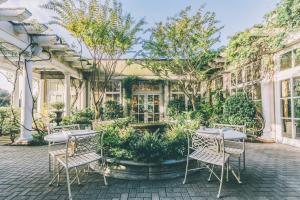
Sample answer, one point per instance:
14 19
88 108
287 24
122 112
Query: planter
130 170
58 117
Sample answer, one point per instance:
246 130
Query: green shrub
38 138
175 141
58 105
9 121
147 147
122 141
112 110
85 116
240 110
176 106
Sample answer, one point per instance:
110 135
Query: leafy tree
104 29
183 47
4 98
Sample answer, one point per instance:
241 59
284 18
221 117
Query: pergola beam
14 14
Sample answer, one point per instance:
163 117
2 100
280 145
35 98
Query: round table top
229 134
64 136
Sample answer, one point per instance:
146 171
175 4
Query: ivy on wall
132 80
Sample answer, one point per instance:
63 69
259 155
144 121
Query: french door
145 107
290 107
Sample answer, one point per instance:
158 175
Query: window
144 86
113 92
286 61
297 57
177 94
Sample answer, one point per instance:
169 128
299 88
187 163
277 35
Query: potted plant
58 110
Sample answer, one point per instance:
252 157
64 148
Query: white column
16 93
67 93
41 97
27 103
166 98
83 95
268 101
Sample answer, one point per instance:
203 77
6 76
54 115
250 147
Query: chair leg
211 172
227 171
103 173
68 184
221 181
239 173
49 162
244 159
58 175
186 170
77 176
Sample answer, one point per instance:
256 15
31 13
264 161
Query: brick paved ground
273 172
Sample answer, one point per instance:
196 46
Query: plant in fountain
58 110
105 30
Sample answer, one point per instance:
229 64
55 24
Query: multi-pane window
286 61
113 91
247 79
178 95
290 107
55 91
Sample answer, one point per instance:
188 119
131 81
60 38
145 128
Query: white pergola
35 44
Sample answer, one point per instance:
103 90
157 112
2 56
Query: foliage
175 107
7 121
123 141
240 110
4 98
84 116
38 138
158 127
113 110
176 142
104 29
252 44
286 15
58 106
127 84
183 46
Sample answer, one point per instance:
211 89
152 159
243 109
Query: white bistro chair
54 153
80 152
235 148
209 150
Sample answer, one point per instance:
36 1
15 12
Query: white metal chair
54 153
82 151
235 148
208 149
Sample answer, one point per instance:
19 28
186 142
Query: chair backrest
83 144
211 142
55 129
240 128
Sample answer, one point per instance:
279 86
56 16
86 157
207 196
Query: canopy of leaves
102 27
184 46
252 44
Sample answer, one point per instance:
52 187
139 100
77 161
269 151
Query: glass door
145 107
290 107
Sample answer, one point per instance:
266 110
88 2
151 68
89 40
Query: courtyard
272 173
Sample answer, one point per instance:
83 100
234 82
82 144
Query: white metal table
61 137
228 134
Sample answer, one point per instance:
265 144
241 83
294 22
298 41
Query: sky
234 15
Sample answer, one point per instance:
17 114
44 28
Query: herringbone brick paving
273 172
